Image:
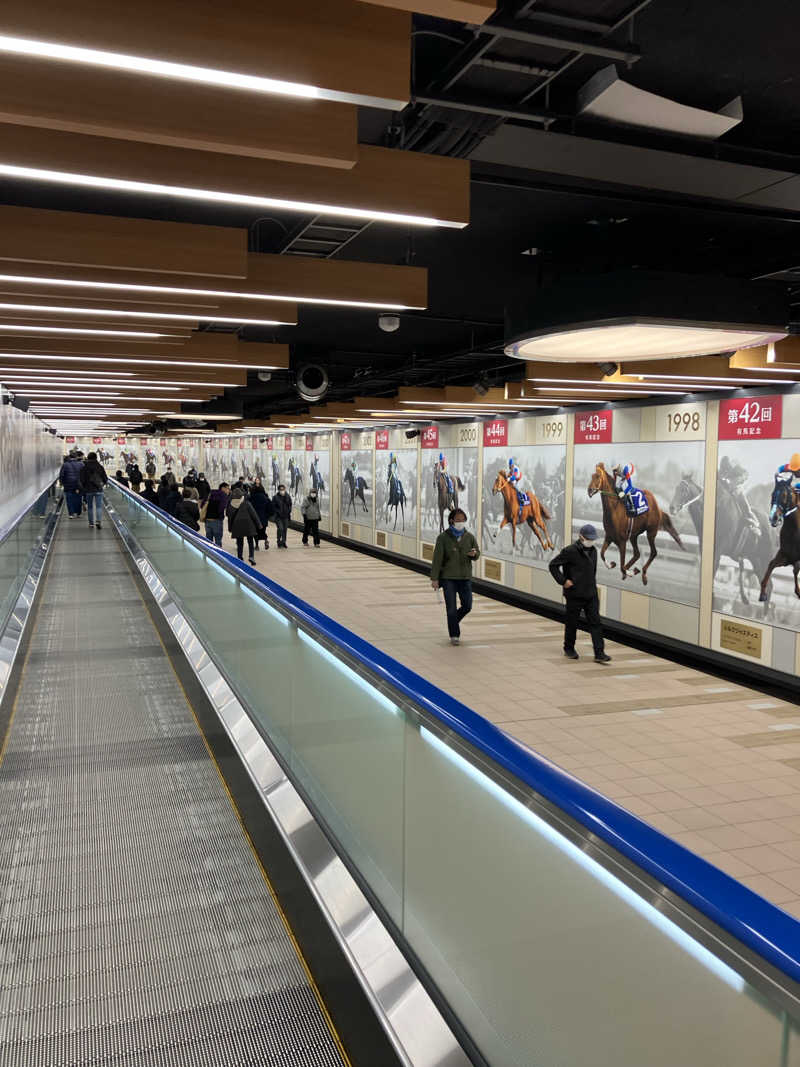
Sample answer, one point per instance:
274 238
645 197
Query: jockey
392 468
790 472
633 498
443 470
514 476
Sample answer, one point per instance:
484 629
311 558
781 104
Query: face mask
459 527
282 492
586 544
313 496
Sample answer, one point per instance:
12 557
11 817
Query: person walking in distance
451 570
282 503
242 523
311 516
575 570
70 478
214 514
93 478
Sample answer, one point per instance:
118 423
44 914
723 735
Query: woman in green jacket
451 570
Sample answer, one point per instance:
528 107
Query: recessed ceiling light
201 316
635 341
227 365
139 335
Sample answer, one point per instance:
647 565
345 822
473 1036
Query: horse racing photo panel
449 479
646 500
523 502
396 491
357 487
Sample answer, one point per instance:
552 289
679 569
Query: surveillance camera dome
264 375
389 323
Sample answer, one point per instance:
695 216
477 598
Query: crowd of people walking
245 506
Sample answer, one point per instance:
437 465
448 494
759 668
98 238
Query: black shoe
91 524
97 526
570 653
252 562
602 658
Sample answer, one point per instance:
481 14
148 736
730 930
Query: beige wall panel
108 103
627 425
518 431
680 621
74 237
543 585
709 524
346 47
474 11
678 422
791 415
522 579
635 609
383 179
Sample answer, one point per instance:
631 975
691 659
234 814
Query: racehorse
276 474
784 510
168 459
396 499
295 477
356 490
317 481
737 540
259 470
534 513
448 495
620 527
689 494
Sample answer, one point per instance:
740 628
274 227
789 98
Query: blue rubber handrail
766 929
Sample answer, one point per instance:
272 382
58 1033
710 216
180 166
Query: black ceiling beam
522 30
515 68
542 116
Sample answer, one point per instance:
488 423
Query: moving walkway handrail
763 927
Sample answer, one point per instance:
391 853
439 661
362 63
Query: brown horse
620 528
534 513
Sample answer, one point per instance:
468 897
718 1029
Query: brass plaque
427 552
380 540
492 570
741 637
345 529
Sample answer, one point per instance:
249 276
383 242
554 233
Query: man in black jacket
575 569
282 503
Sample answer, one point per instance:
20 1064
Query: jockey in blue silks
514 476
634 499
443 469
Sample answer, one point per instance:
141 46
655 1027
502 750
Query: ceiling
553 193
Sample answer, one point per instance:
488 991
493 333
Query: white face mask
459 526
586 544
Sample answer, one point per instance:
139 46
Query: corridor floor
711 763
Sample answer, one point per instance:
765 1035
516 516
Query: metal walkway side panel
136 926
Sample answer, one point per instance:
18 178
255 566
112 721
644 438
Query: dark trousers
281 525
311 526
74 501
590 606
452 587
240 546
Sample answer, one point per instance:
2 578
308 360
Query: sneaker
570 653
252 562
97 526
602 658
455 640
72 516
91 524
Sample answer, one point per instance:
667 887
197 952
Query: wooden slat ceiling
473 11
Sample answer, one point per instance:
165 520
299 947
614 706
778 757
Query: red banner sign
593 427
309 444
430 437
120 440
750 416
242 443
255 444
97 440
179 441
287 444
495 434
382 439
142 440
345 442
70 440
162 441
269 444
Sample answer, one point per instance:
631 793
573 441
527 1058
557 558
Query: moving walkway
237 833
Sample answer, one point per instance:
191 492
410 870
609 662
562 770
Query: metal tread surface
135 924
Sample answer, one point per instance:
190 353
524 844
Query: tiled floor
712 763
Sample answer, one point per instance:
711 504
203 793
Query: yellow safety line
265 876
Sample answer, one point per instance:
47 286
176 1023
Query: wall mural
30 459
524 529
756 525
357 488
647 547
396 491
449 479
318 476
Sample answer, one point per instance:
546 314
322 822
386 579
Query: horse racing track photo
658 551
749 501
357 488
524 531
396 491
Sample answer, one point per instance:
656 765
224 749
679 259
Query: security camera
264 375
389 323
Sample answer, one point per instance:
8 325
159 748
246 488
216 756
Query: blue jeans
214 531
462 587
74 499
94 507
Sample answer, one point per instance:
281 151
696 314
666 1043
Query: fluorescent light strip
182 192
23 46
137 360
592 383
49 383
89 382
50 309
712 378
135 287
89 332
